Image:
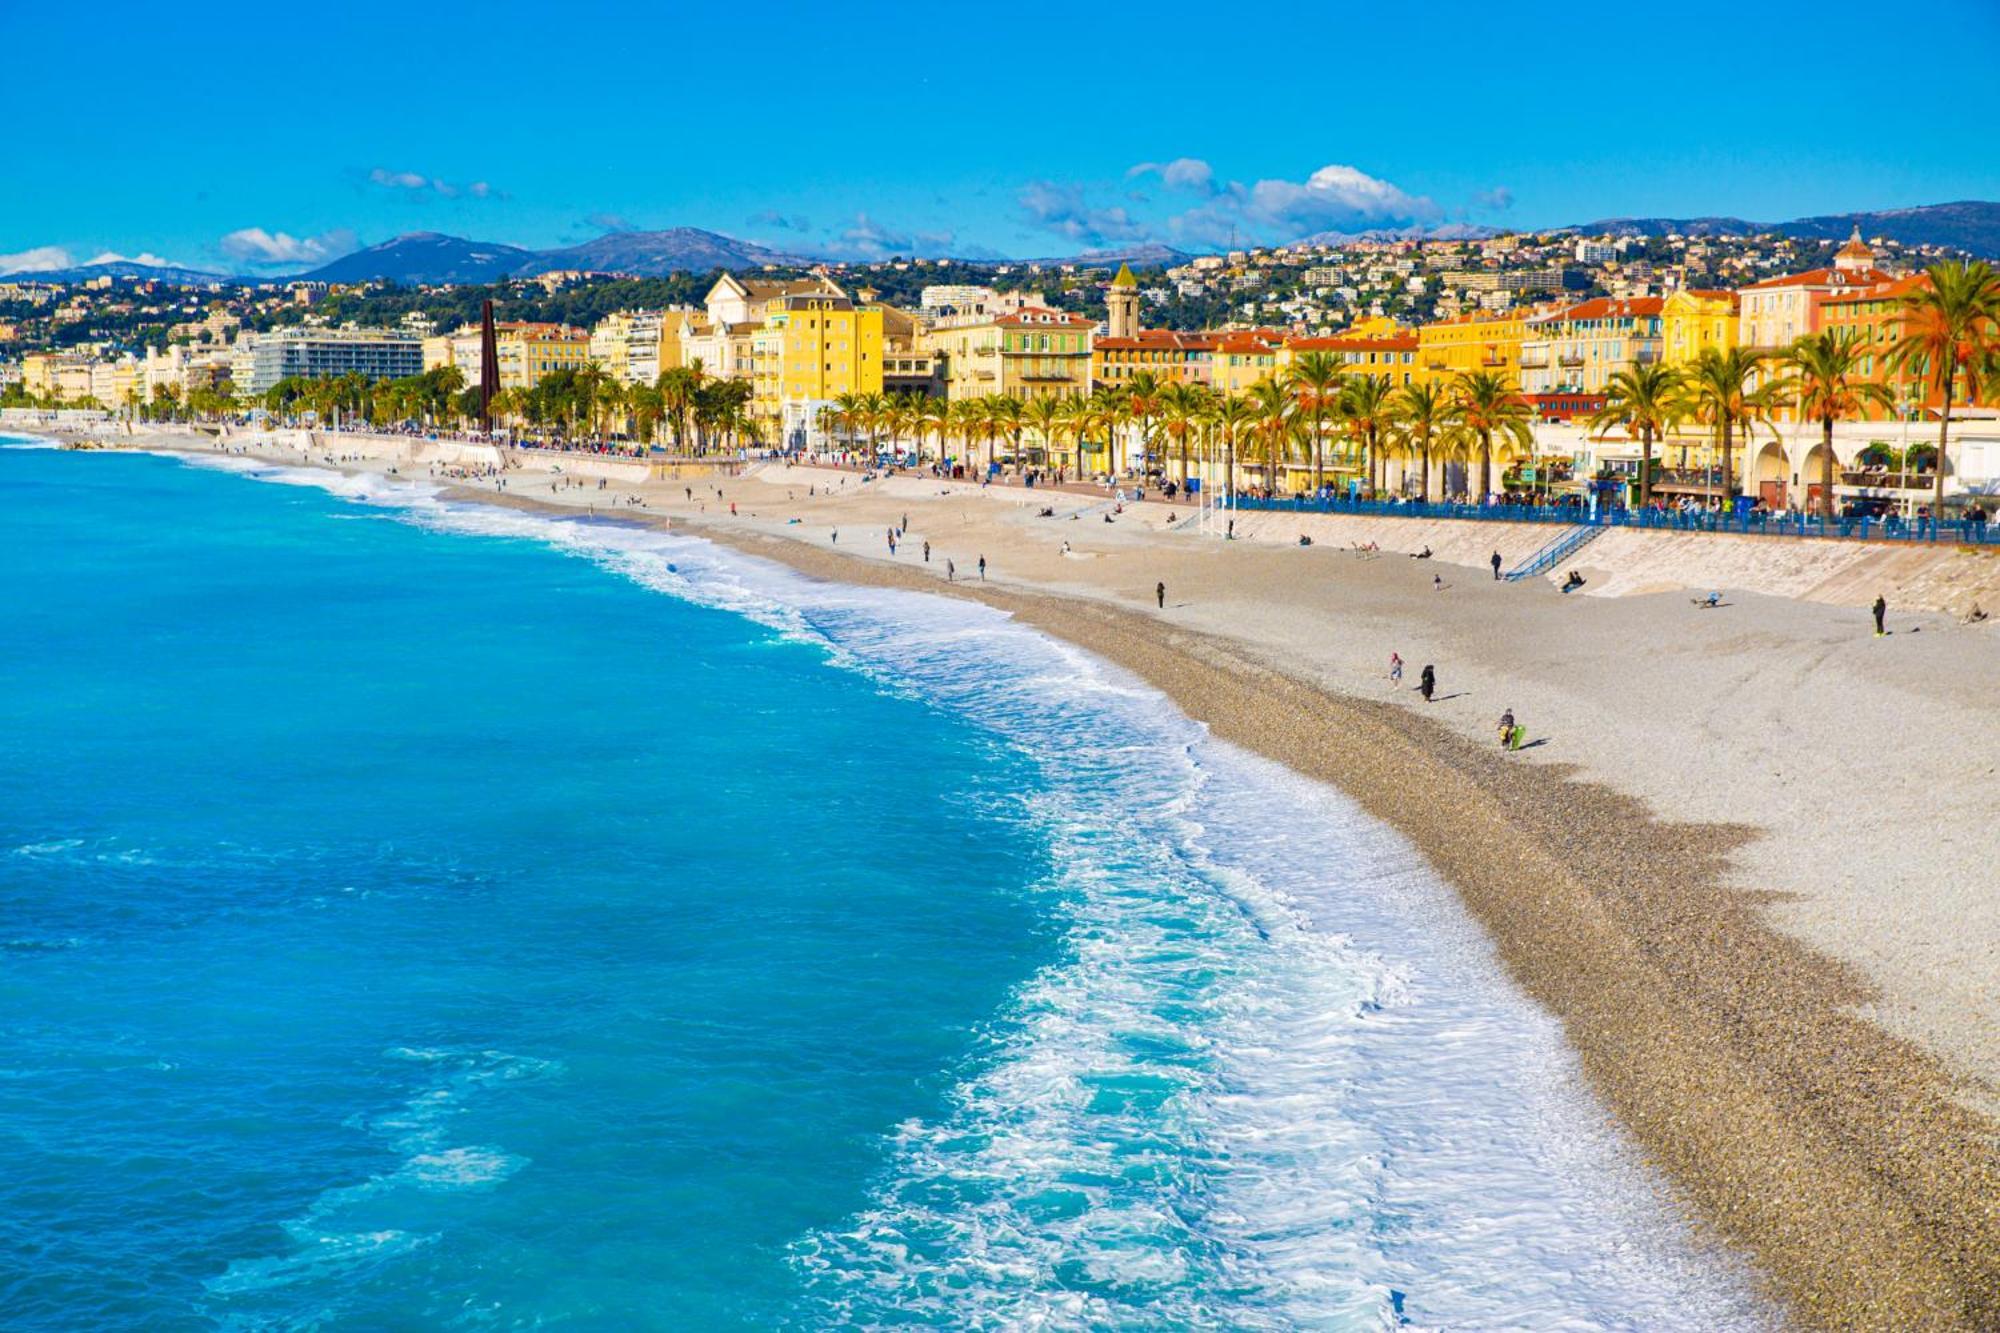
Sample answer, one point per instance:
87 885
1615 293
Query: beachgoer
1506 728
982 569
950 572
927 553
1427 682
1496 566
1881 610
836 536
1396 670
1160 593
1437 583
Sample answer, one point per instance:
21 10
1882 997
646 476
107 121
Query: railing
1560 548
1964 531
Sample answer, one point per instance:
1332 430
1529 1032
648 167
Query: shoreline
1844 1158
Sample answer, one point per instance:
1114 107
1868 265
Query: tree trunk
1645 467
1826 468
1728 477
1424 483
1485 466
1944 431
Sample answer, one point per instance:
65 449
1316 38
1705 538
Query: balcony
1534 361
1892 481
1569 362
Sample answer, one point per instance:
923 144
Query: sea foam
1276 1078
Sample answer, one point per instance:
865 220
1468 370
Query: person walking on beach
982 569
1496 566
1881 609
927 553
1506 729
950 572
1396 670
1160 593
1427 682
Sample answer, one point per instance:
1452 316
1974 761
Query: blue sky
267 138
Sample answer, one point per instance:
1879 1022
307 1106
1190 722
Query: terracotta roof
1248 342
1876 291
1159 340
1608 307
1034 315
1396 342
1823 277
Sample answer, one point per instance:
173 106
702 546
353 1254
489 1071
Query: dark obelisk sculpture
489 366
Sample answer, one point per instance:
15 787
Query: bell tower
1121 303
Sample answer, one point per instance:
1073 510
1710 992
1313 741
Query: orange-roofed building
1387 356
1170 356
1476 341
1695 319
1873 316
1779 311
1242 359
1577 349
1027 353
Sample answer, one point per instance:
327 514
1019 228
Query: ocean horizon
420 913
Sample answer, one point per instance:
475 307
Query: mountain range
430 257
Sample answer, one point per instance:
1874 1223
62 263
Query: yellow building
1242 359
1028 353
530 352
811 348
1380 353
1695 319
1471 343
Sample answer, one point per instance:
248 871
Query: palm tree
1095 415
1181 408
1486 404
1048 416
1424 410
1646 400
1139 401
679 390
1276 407
1948 334
1003 417
933 418
1234 415
1367 404
1716 391
1823 380
1315 378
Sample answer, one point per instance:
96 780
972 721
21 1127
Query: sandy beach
1747 855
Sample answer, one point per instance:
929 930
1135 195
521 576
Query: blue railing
1562 547
1957 530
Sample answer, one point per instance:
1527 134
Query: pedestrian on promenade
1160 592
1496 566
1427 682
1881 610
1396 670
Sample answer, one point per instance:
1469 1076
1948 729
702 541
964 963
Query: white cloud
1334 198
1183 173
259 248
415 182
866 239
1060 207
41 259
146 257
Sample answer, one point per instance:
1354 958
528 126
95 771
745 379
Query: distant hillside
1968 225
424 257
1147 255
172 274
1450 231
654 254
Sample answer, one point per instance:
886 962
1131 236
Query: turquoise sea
423 915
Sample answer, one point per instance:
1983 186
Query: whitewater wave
1276 1078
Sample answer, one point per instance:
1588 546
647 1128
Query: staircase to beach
1559 548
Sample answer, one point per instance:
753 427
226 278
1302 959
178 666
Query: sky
264 139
